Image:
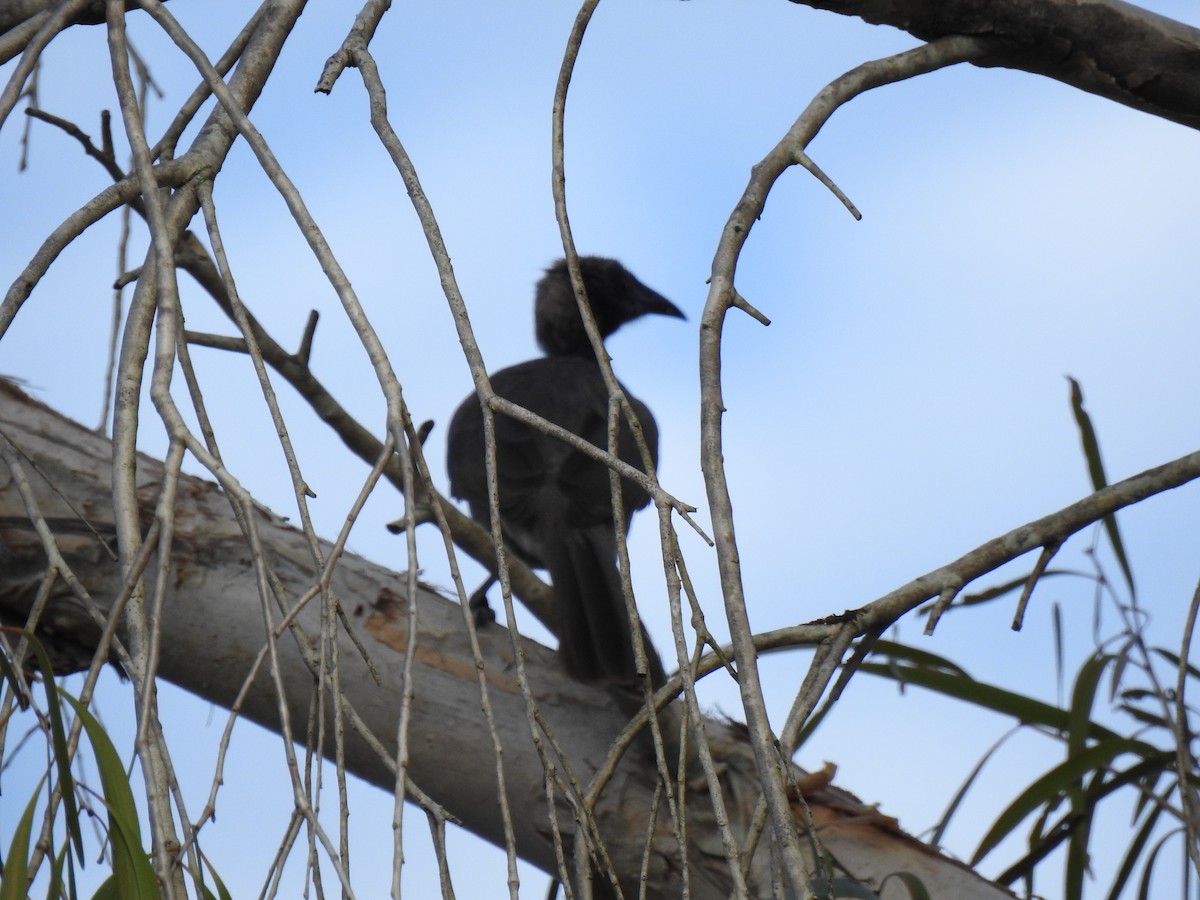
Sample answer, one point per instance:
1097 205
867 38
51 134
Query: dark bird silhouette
556 508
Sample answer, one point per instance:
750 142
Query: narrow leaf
58 739
916 887
999 590
55 888
1091 452
1145 716
1059 667
1148 871
12 884
1044 842
1083 697
1077 856
1173 659
978 693
894 650
961 793
1049 788
133 877
1134 851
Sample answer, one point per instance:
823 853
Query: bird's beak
654 302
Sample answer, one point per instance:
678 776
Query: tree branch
1105 47
213 636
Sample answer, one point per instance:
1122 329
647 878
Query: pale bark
213 628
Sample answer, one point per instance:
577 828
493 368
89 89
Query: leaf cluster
59 796
1136 755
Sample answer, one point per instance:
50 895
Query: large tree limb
1105 47
212 631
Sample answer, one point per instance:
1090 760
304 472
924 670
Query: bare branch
1039 569
1105 47
33 42
787 152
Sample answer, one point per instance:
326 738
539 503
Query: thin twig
151 752
721 296
103 156
1039 569
46 32
391 142
619 408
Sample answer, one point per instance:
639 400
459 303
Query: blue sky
907 402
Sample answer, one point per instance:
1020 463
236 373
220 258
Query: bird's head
615 296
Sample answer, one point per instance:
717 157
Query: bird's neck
560 336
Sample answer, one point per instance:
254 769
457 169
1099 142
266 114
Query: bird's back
541 477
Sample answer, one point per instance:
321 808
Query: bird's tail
594 629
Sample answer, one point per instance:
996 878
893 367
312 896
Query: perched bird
556 508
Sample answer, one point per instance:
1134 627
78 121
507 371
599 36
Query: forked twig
721 298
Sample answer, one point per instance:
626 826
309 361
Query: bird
555 502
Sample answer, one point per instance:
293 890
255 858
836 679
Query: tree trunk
212 629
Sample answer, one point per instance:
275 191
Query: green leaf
1045 841
58 739
813 723
961 793
222 891
1117 678
1091 452
1133 695
1083 697
1077 856
916 887
1147 787
986 696
1134 851
999 590
894 650
133 876
1059 656
12 884
1148 871
1145 716
55 888
1041 844
1173 659
1049 787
